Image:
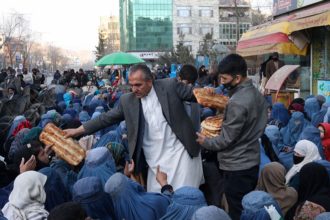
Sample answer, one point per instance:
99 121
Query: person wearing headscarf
304 152
66 118
210 213
320 99
99 163
18 143
34 149
319 116
326 118
71 111
99 109
272 181
84 116
16 122
311 107
68 211
67 97
283 154
312 134
91 196
323 216
279 115
314 191
26 201
77 107
259 205
292 131
131 201
185 202
56 193
50 117
325 137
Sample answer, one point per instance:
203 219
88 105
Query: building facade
228 14
110 32
192 20
146 25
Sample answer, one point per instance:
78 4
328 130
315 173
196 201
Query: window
184 29
205 12
228 30
205 28
183 11
188 44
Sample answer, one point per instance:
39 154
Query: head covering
20 126
77 106
67 98
62 106
314 185
66 118
185 202
99 109
292 131
99 163
119 153
16 122
312 134
56 193
71 112
323 216
280 113
321 99
51 116
311 107
33 134
300 101
296 107
28 197
132 202
84 116
326 118
18 143
255 204
272 181
210 213
310 152
68 211
274 135
89 193
96 114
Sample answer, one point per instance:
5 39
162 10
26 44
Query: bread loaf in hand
66 148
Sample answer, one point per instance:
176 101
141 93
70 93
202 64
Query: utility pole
237 21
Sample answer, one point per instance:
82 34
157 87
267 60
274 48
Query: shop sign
284 6
323 88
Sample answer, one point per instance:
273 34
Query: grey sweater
244 122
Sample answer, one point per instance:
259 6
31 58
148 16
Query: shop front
301 37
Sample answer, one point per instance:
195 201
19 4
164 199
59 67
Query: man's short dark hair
68 211
233 64
188 72
145 70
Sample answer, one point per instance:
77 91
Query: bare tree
54 57
13 29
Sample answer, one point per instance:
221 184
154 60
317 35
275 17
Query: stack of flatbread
209 99
66 148
211 126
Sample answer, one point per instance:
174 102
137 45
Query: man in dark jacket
244 121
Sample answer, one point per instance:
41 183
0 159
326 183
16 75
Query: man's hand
200 138
74 132
29 165
48 149
129 168
161 177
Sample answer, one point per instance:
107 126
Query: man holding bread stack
244 121
160 133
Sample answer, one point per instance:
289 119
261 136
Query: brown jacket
271 68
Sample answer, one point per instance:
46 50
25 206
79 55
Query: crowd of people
145 155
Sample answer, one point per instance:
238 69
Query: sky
70 24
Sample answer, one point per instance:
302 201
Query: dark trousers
237 184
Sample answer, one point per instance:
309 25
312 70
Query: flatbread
206 98
65 148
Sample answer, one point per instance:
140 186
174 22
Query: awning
274 36
276 81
